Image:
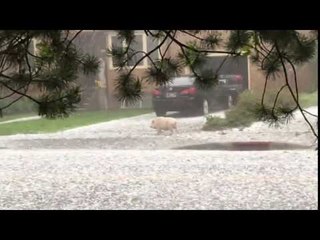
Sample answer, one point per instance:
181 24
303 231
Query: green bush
240 115
215 123
244 113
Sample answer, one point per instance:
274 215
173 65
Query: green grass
77 119
308 99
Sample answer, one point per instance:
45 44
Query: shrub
244 113
240 115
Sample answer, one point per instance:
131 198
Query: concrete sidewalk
21 119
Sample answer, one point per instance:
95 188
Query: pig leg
159 131
175 127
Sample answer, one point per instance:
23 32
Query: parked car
182 95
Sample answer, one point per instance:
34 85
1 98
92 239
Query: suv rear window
182 81
227 76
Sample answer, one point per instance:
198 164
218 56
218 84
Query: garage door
231 65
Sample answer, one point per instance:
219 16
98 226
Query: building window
151 44
140 45
116 43
36 43
34 49
137 46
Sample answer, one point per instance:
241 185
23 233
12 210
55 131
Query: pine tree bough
42 66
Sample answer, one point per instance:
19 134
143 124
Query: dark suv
182 95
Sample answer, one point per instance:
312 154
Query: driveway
124 164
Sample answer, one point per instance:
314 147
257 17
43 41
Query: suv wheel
205 107
230 101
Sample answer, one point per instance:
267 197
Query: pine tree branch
2 63
148 54
311 114
267 57
192 35
25 86
16 39
151 33
167 48
161 55
277 96
189 62
5 76
262 46
222 63
12 93
179 43
58 99
20 93
72 39
266 81
28 64
35 56
295 76
182 46
135 53
264 89
67 35
290 89
11 103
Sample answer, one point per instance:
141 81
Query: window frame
145 64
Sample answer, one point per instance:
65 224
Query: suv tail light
189 91
237 79
156 92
